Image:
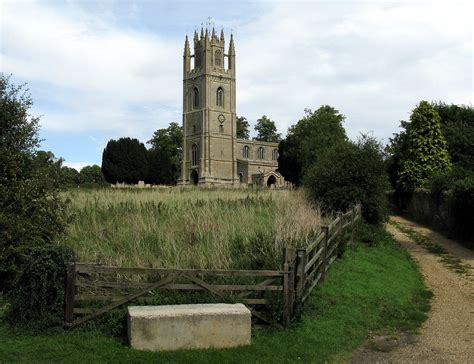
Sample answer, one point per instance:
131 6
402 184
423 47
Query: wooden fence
271 295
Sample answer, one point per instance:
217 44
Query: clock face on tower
221 118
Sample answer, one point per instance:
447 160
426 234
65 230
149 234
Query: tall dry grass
189 228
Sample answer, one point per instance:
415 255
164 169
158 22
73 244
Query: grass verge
371 288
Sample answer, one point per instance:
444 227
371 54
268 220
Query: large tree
164 156
266 130
350 173
306 141
92 176
457 124
31 210
124 160
419 151
243 131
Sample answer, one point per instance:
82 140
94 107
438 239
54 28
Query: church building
212 153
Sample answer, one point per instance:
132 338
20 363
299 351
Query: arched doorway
241 177
194 177
271 181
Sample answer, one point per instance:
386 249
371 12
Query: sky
101 70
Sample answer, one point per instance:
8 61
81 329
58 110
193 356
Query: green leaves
124 160
421 148
308 140
266 130
31 210
243 131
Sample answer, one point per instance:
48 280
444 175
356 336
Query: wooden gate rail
302 270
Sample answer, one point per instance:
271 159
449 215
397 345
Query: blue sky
104 69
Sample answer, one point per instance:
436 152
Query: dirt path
448 334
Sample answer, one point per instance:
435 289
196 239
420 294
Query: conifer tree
425 151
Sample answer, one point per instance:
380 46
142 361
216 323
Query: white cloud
77 165
373 61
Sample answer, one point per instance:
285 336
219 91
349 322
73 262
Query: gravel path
448 334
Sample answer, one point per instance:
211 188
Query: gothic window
275 154
241 177
196 98
218 58
220 97
261 153
245 151
194 155
194 128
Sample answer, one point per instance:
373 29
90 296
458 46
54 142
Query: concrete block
173 327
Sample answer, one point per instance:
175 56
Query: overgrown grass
372 288
189 228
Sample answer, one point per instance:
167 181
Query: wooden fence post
325 230
288 285
70 292
301 278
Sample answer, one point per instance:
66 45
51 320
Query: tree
306 141
69 177
243 125
350 173
92 176
31 210
266 130
457 124
124 160
420 151
164 156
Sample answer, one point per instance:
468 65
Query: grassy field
372 288
189 228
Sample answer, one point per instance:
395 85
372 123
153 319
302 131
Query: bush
32 213
37 301
348 174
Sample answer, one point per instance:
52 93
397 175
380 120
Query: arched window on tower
220 97
196 98
261 153
245 151
218 58
194 155
275 154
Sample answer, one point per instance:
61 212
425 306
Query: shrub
348 174
38 300
31 210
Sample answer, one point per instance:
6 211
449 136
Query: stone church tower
212 154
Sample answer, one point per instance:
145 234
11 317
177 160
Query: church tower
209 118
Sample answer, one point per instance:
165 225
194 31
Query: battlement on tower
209 54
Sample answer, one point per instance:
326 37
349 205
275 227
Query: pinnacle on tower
202 33
222 35
196 39
231 45
213 33
186 47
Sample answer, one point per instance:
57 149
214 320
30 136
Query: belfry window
261 153
245 151
196 98
218 58
194 155
220 97
275 154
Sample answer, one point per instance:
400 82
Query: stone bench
174 327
